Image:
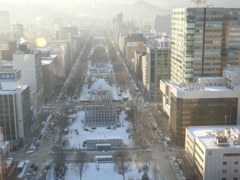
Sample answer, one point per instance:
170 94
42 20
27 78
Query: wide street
160 164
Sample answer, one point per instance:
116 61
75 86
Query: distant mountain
46 12
144 10
32 12
143 4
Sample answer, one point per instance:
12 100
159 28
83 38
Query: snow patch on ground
107 171
77 134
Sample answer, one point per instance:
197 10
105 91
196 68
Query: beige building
130 49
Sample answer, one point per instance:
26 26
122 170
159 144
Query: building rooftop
216 137
133 44
18 90
48 60
28 52
199 131
9 70
208 90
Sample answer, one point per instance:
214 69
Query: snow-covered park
77 135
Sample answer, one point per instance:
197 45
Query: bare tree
122 80
60 156
122 162
145 176
80 166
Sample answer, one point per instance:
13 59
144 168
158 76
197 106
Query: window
231 154
235 162
235 170
225 163
223 178
224 171
235 178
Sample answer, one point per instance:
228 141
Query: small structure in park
104 143
101 111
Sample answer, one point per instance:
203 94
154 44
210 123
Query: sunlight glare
41 42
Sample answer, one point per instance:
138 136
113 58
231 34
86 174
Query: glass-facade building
204 40
200 112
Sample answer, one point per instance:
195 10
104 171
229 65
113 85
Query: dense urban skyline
119 90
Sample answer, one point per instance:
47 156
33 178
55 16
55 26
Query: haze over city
119 90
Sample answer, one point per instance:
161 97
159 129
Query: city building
17 30
63 33
4 22
130 48
7 166
63 52
131 37
50 76
155 66
7 50
104 143
162 24
138 56
204 40
118 25
14 108
29 62
214 151
211 101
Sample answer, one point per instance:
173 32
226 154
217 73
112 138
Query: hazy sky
161 3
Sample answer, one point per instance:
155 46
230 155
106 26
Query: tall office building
4 22
155 65
14 108
50 73
204 40
63 33
162 24
213 101
132 37
17 30
29 62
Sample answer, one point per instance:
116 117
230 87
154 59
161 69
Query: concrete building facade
155 66
14 108
214 151
212 101
50 73
29 62
5 26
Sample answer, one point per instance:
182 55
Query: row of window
225 171
235 178
225 162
